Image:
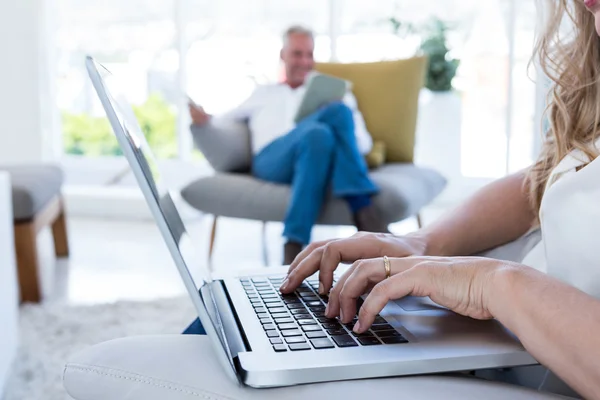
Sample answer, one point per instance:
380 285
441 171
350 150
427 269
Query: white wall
28 113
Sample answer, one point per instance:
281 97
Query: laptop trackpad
418 304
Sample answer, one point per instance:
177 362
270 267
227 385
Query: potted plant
441 69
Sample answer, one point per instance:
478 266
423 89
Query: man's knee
319 136
337 109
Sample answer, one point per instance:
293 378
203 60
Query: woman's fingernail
357 327
342 315
284 285
321 289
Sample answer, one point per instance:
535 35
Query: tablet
321 89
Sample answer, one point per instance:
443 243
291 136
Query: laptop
265 339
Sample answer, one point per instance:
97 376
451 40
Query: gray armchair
387 95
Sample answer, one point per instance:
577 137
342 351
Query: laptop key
259 309
266 321
284 327
269 327
299 311
311 328
394 340
322 343
294 300
277 304
306 322
258 302
379 320
368 341
312 304
270 297
319 311
302 316
315 335
259 280
384 327
295 339
332 325
280 348
344 341
278 310
297 306
364 334
262 315
276 341
327 320
272 334
284 320
300 346
337 332
391 333
291 332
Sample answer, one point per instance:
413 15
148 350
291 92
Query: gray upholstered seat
33 186
405 189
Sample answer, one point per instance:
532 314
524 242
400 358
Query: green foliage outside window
87 135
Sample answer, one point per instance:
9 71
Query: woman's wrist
502 293
428 242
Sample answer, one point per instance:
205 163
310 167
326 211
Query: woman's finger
399 286
333 303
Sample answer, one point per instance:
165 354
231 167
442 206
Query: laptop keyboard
296 322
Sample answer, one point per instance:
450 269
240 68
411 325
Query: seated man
323 151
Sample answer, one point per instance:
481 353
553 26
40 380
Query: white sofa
8 283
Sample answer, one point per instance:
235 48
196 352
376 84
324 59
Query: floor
114 260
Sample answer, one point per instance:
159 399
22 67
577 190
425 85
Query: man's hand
199 116
327 255
461 284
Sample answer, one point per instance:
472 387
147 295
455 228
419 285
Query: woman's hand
327 255
463 285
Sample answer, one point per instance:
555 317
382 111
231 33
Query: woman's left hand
463 285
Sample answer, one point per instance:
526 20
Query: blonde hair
573 65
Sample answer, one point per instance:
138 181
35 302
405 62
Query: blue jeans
195 328
321 152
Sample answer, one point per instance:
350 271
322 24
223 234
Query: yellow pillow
387 93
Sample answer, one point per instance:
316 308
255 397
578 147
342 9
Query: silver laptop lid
145 168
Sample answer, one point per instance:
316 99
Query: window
218 51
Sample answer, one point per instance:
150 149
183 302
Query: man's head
297 54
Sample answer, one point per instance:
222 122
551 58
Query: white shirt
570 222
271 109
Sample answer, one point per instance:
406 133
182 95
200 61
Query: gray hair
297 30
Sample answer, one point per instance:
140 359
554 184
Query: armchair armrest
226 146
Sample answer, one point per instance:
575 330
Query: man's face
297 55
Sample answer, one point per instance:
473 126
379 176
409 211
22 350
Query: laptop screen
134 144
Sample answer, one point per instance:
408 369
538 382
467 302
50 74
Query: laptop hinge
233 335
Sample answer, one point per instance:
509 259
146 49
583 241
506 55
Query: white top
270 111
570 222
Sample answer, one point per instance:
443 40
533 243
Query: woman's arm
497 214
558 324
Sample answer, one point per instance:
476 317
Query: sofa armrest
226 146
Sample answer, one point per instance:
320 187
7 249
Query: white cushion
180 367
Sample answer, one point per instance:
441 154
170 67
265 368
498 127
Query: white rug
50 334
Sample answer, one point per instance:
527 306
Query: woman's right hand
327 255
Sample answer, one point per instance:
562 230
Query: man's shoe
368 219
290 252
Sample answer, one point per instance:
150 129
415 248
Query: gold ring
388 269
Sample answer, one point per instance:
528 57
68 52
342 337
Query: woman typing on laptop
550 301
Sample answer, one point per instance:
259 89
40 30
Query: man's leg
302 158
350 175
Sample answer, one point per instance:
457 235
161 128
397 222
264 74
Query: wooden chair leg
419 221
59 232
213 235
27 262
